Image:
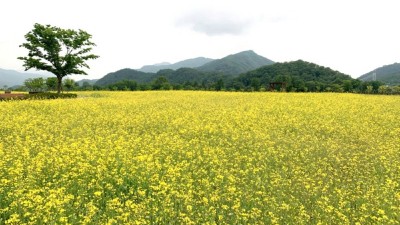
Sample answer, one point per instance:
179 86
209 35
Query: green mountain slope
236 64
298 75
179 76
389 74
125 74
191 75
188 63
89 81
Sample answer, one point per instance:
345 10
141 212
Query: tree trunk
59 86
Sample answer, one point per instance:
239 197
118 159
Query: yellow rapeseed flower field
183 157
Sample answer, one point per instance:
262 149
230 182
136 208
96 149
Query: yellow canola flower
192 157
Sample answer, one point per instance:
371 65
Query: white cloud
214 23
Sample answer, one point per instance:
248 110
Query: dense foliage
298 76
201 158
37 84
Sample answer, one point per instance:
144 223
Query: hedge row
50 96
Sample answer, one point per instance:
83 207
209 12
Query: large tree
59 51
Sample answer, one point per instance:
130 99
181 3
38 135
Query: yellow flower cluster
182 157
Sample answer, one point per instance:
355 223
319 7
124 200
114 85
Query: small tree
219 85
347 85
396 90
370 89
161 83
34 84
59 51
69 84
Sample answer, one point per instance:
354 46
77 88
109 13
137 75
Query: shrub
50 96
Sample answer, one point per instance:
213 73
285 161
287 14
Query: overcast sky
351 36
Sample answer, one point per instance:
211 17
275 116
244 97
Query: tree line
162 83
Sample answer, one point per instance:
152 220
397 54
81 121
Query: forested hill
389 74
190 75
188 63
125 74
298 76
179 76
236 64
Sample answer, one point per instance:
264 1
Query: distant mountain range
230 65
185 71
13 78
242 68
389 74
189 63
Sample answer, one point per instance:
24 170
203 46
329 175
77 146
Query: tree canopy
35 84
59 51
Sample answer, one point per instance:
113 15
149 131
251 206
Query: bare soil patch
12 96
